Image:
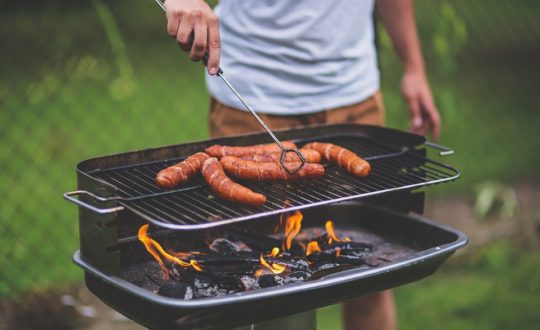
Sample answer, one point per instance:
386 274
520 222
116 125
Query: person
301 62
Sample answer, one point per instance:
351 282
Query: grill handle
443 151
70 196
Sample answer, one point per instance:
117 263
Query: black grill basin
416 245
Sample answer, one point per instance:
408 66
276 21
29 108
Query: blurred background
80 79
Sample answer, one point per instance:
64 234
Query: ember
244 261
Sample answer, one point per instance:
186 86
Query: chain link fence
80 79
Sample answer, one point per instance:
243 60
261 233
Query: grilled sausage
222 151
268 171
310 155
178 174
345 158
226 188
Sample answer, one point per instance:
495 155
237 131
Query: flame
273 267
332 235
147 241
312 247
278 226
338 252
293 223
151 246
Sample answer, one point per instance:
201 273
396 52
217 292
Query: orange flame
273 267
151 246
292 227
312 247
332 235
338 252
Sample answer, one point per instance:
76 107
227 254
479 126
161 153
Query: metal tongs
284 150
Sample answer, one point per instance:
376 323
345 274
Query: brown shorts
224 120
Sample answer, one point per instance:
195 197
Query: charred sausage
178 174
226 188
310 155
268 171
345 158
222 151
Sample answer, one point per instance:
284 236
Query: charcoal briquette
224 246
179 290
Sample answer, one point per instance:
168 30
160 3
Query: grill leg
301 321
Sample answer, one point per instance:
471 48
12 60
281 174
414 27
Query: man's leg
372 312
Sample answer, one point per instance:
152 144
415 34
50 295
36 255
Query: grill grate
194 206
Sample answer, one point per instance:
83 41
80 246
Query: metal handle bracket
70 197
443 151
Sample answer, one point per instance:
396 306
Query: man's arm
195 27
398 19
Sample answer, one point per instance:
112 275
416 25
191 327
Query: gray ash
224 246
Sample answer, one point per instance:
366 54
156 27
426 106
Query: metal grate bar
194 206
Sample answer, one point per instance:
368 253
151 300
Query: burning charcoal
176 290
296 277
263 243
203 287
323 265
353 248
332 258
224 246
268 280
147 276
248 282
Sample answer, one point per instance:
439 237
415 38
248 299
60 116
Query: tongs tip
283 162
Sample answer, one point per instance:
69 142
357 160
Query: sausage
226 188
222 151
345 158
268 171
178 174
310 155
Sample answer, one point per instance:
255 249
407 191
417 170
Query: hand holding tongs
284 150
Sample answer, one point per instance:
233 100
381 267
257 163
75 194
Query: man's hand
195 27
424 115
398 18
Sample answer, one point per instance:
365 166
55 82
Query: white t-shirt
289 57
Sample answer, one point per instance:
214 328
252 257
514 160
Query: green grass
79 81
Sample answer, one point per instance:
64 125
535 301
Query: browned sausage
345 158
177 174
222 151
310 155
226 188
268 171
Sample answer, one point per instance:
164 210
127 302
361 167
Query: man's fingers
214 45
172 25
432 116
198 49
416 116
184 35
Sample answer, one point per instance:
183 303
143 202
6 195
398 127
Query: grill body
429 245
127 198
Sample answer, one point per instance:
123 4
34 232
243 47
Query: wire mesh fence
89 78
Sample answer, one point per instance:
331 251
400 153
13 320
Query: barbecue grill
117 195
